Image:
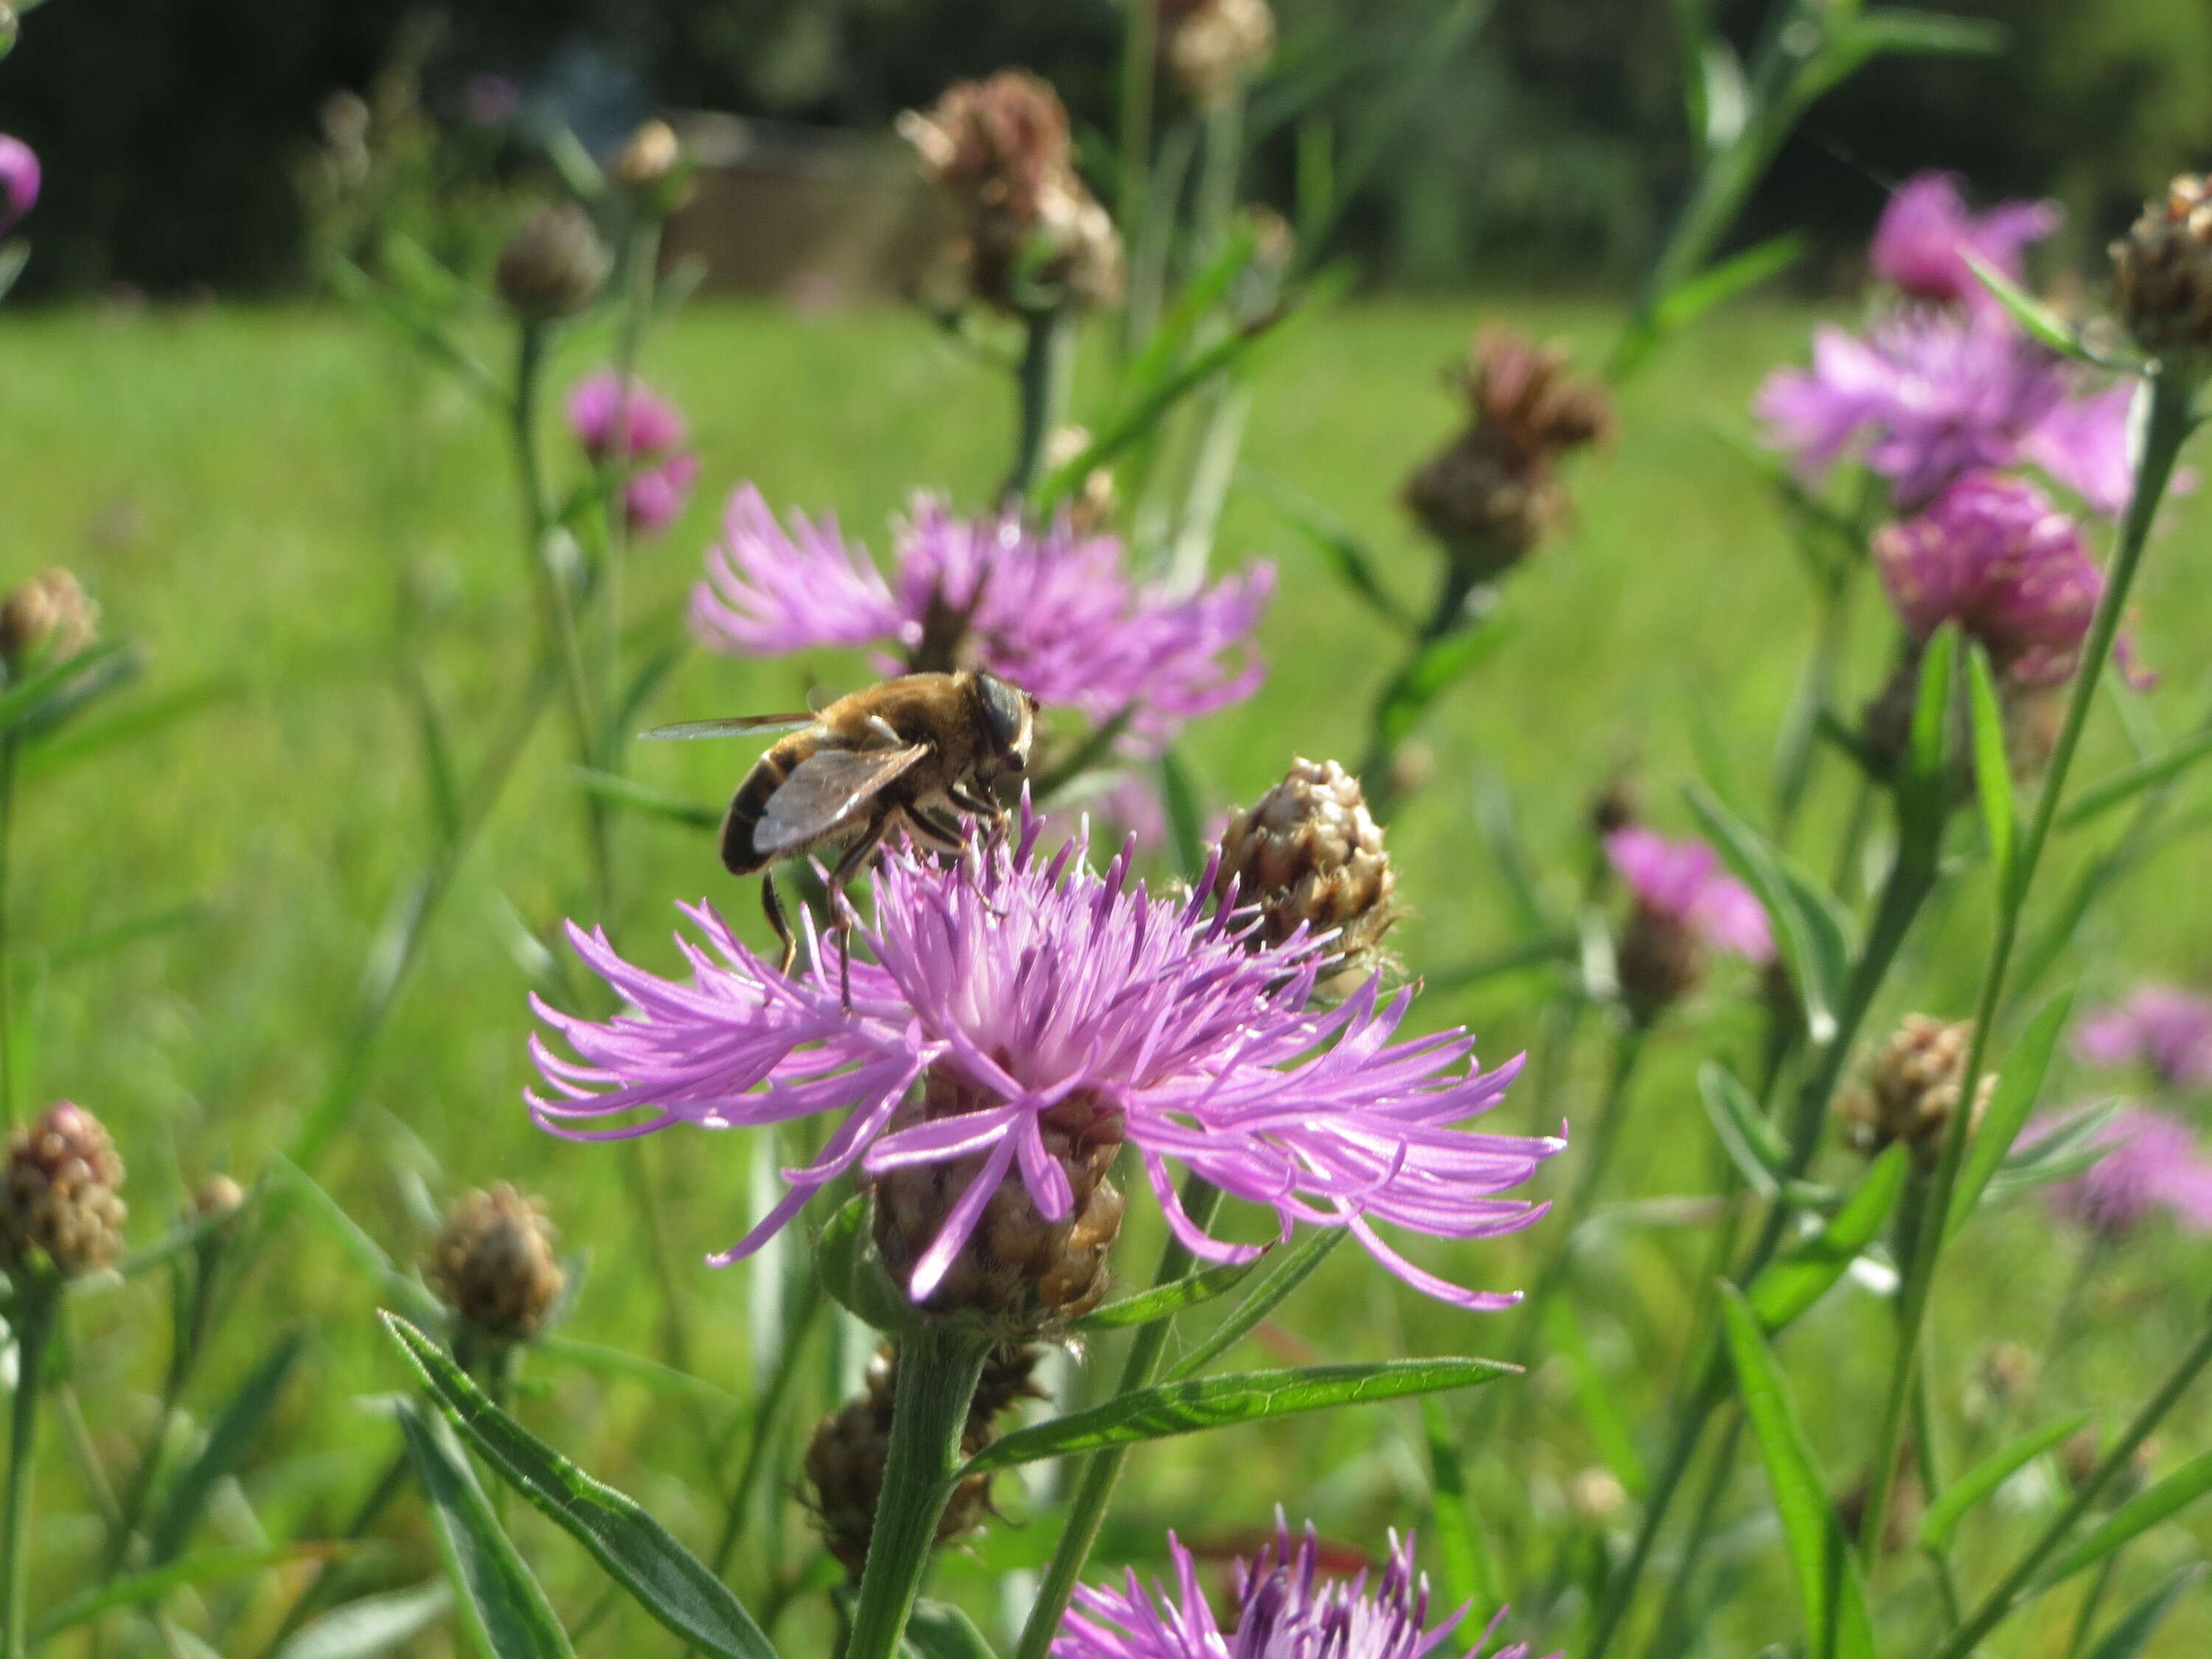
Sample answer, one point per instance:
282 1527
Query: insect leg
840 904
970 801
773 906
929 831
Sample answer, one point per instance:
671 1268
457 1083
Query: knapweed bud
1912 1088
649 156
1594 1497
1091 507
1021 1274
61 1203
494 1264
1213 49
554 266
47 618
2162 276
1616 807
845 1456
1660 960
216 1197
1309 854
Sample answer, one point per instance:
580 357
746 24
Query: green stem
1675 1612
2086 1620
642 263
1139 71
2000 1600
2172 419
1101 1470
36 1310
1446 616
1046 366
938 1367
7 988
1801 741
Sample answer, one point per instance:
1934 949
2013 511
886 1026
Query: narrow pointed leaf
2150 775
1992 771
1162 1300
502 1607
141 1588
2135 1628
2138 1515
1810 934
934 1630
2019 1080
1838 1624
642 798
1469 1579
1753 1144
1219 1402
1435 669
229 1438
1730 277
375 1625
1940 1525
1927 782
2039 325
667 1580
1263 1299
1348 557
1801 1276
1601 1414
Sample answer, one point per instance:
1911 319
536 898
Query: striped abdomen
750 802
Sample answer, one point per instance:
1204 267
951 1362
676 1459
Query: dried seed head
1528 395
46 618
1309 854
554 266
1594 1497
845 1456
1660 960
61 1204
2162 276
1912 1088
494 1264
1213 49
1022 1274
1096 500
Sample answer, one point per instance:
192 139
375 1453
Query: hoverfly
896 753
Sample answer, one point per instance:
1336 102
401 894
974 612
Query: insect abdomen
750 802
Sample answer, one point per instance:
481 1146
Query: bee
895 755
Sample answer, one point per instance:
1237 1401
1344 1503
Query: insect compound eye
1006 710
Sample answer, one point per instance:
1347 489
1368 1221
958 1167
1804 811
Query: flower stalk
1042 382
37 1309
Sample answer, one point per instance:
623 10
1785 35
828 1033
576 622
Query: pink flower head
2168 1030
18 181
2154 1162
1683 880
644 431
653 499
1053 610
1284 1610
1994 556
1926 232
1033 984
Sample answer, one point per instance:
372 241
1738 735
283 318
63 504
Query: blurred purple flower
1994 556
2168 1029
2154 1162
1926 232
1284 1610
491 100
653 499
18 181
1053 610
1683 881
647 427
1033 987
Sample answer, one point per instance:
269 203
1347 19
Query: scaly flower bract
2167 1028
2154 1162
1051 609
1034 985
1926 231
1683 881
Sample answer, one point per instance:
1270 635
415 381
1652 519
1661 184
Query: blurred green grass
248 493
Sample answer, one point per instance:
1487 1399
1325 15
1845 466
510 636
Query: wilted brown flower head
494 1264
61 1204
2162 275
554 266
1493 495
1212 48
1309 854
47 617
1021 1274
1032 235
846 1457
1912 1089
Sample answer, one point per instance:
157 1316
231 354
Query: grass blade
372 1625
2135 1627
1799 1277
935 1631
1435 669
233 1432
1601 1414
2139 1513
2019 1082
1470 1580
1940 1525
1750 1142
1266 1297
140 1588
1992 771
1162 1300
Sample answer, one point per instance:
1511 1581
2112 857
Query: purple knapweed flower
2168 1029
1284 1610
2154 1162
1994 556
1683 881
1053 610
1034 985
644 431
1926 232
18 181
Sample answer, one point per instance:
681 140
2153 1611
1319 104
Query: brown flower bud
2162 276
1021 1274
218 1195
1912 1088
1660 960
46 618
61 1204
1616 807
649 156
845 1456
1212 50
2084 1451
494 1264
1309 854
554 266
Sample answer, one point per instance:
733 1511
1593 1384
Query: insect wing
735 725
822 791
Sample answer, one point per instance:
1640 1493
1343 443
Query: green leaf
501 1606
1198 296
1925 787
374 1625
853 1271
2039 325
2138 1515
2069 1148
632 796
1264 1298
1601 1414
141 1588
26 704
1836 1622
1346 556
2019 1080
2136 1626
620 1362
667 1580
935 1631
428 333
1179 797
229 1438
1804 919
1470 1579
1434 669
1930 34
1940 1525
140 718
1219 1402
1992 771
1163 1300
1801 1275
1725 281
1753 1144
2118 792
